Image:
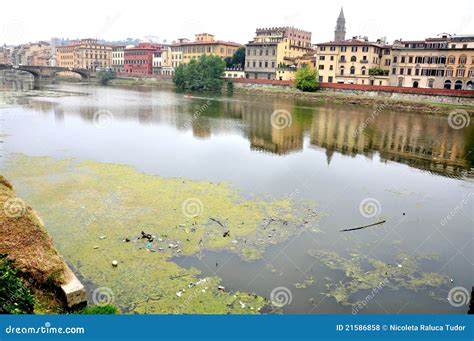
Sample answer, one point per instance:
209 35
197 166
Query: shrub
15 298
307 79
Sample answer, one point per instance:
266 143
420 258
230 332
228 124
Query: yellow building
84 54
274 51
353 61
183 51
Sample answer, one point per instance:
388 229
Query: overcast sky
29 21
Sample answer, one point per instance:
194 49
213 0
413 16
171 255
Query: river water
356 166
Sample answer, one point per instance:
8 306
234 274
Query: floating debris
114 263
363 227
221 288
102 237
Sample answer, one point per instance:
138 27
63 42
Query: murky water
411 170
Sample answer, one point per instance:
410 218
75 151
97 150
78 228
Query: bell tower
340 32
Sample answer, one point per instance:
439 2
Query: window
342 71
460 73
365 49
395 59
462 59
363 70
322 57
330 79
266 52
322 48
402 59
430 83
401 71
321 67
353 70
354 48
394 71
321 79
410 59
449 72
353 59
451 60
266 64
331 67
343 48
409 71
332 58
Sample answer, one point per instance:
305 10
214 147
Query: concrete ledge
73 290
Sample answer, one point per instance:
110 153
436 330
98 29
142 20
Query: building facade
274 51
184 50
84 54
118 58
139 60
445 62
354 61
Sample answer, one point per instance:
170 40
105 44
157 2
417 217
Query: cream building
274 51
84 54
184 50
353 61
118 58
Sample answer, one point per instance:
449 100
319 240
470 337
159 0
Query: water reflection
418 140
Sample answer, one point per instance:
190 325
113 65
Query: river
349 165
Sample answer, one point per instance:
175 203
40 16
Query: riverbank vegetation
306 79
203 74
105 75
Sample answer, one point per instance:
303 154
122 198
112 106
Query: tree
376 71
228 62
203 74
105 75
307 79
238 59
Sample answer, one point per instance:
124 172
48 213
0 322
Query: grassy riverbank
25 241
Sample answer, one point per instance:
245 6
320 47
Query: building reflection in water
421 141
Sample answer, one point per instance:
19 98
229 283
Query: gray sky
29 21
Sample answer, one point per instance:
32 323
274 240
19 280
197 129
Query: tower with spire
340 32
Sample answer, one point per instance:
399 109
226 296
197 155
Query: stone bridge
46 72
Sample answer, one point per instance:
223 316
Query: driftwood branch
216 221
363 227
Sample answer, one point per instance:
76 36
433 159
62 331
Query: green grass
101 310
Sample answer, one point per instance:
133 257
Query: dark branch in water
216 221
363 227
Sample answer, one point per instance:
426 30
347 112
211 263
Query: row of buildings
276 53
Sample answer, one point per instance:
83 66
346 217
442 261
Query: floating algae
367 273
96 212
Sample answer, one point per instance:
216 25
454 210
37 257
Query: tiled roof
214 42
350 42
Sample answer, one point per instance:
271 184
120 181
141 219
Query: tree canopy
307 79
203 74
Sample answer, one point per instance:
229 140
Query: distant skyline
117 20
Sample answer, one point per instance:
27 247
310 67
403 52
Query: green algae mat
99 214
